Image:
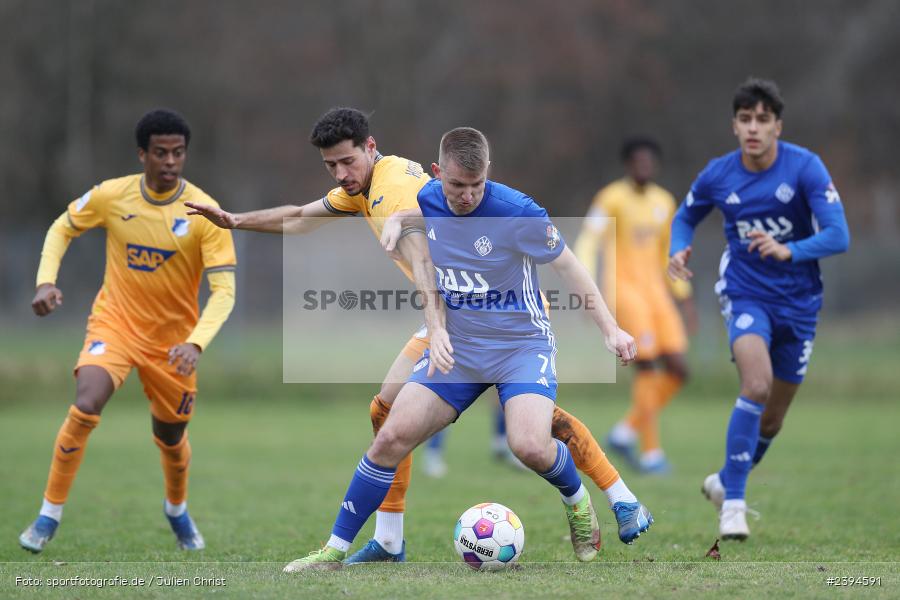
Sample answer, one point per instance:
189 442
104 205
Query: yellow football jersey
155 257
643 222
396 182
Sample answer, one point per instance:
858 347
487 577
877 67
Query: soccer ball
489 537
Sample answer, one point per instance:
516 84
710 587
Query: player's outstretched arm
413 248
280 219
580 283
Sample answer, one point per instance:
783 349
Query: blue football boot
38 534
186 531
375 552
633 519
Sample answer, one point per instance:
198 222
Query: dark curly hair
635 143
755 90
340 124
161 121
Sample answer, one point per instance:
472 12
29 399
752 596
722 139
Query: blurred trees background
554 85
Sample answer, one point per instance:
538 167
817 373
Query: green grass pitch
271 463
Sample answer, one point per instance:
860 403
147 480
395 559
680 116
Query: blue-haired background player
782 214
486 240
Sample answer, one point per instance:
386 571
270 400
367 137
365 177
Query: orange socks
395 501
651 392
586 452
668 385
68 451
175 462
645 398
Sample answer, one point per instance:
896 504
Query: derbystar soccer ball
489 537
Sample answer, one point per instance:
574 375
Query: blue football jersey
486 264
789 200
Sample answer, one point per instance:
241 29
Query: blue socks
563 473
740 446
369 486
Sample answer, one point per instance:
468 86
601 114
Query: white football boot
733 521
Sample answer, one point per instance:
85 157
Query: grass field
271 463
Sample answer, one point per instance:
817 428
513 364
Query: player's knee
390 443
93 388
169 434
756 389
532 452
676 365
679 369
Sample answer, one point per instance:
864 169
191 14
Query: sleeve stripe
71 224
220 268
337 211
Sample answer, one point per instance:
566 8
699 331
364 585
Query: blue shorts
529 368
788 333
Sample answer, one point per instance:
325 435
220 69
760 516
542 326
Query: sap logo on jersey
448 281
779 229
144 258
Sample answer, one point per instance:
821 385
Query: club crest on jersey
180 227
145 258
97 348
483 246
784 193
552 237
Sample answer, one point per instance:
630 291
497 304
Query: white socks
175 510
622 434
574 498
338 543
54 511
389 530
734 504
619 492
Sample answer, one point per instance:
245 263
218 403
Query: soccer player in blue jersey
486 240
782 214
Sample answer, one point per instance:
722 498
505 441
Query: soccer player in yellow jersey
145 316
377 186
643 301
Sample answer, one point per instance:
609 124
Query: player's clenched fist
622 345
219 218
46 299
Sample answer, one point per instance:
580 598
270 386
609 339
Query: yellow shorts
171 395
653 319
